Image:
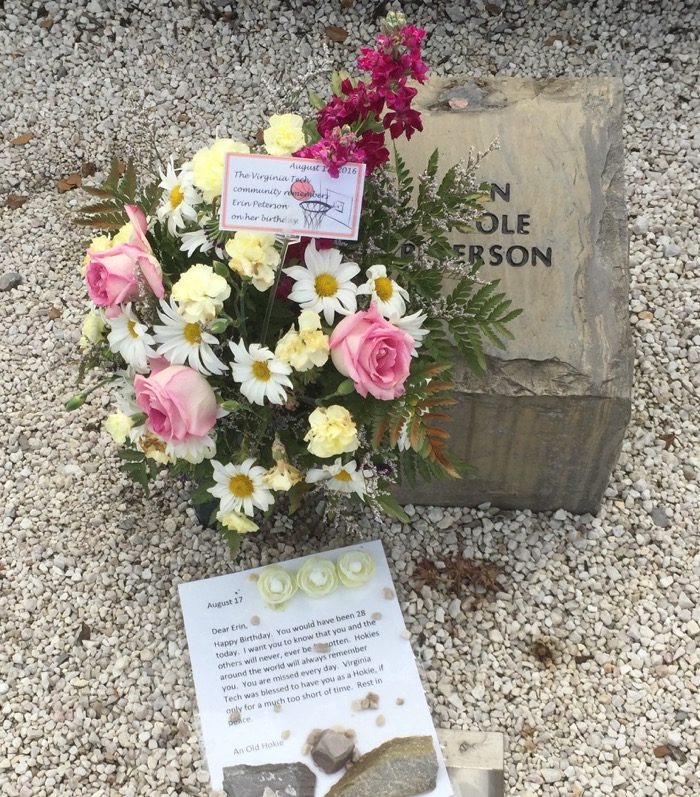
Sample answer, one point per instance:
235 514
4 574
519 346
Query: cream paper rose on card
355 568
277 586
317 577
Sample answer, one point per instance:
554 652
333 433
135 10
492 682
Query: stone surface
332 751
280 779
9 280
544 427
401 767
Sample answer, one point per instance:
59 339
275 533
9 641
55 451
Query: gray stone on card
544 427
402 767
283 780
332 751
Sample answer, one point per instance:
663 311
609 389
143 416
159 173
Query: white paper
291 196
243 670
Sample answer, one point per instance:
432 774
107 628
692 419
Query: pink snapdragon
340 146
350 124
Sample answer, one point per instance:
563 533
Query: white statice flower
261 374
413 324
130 338
389 297
240 488
180 197
341 478
325 284
181 341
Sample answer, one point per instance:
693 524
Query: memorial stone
544 427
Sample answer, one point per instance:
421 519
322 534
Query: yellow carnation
235 521
123 235
208 166
119 425
307 348
200 294
92 330
285 134
332 432
254 255
282 477
154 448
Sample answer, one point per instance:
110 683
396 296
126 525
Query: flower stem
273 291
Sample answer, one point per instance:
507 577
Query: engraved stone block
543 429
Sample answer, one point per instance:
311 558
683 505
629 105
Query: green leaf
233 540
391 507
128 183
113 176
316 100
148 201
138 472
336 80
201 495
131 455
311 134
296 494
221 269
432 167
345 388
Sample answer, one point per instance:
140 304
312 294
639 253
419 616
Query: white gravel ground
96 695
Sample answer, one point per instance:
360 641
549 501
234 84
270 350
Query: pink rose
112 276
178 401
374 353
150 267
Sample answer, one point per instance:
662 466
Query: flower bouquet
256 365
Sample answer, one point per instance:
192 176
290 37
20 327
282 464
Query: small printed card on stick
291 196
306 681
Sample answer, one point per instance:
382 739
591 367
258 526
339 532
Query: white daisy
179 197
180 341
130 338
325 285
388 296
413 324
240 488
197 239
341 478
261 374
